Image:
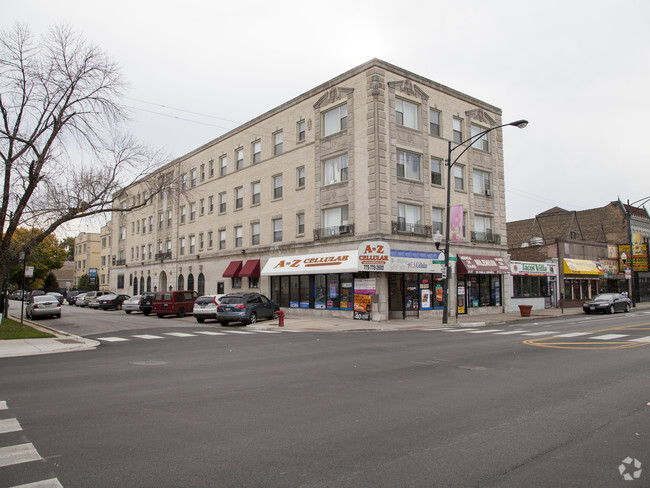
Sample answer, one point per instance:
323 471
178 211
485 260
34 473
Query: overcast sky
579 71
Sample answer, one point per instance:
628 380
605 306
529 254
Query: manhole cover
473 368
149 362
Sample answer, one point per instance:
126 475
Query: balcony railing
405 228
486 237
120 262
335 231
163 255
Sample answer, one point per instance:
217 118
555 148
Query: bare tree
62 144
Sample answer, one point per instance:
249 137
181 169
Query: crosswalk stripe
209 332
574 334
3 405
179 334
540 333
510 332
148 336
269 331
460 330
608 337
484 331
22 453
51 483
9 425
238 332
641 339
112 339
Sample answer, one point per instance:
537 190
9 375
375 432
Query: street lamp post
445 290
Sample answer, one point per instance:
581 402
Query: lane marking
22 453
9 425
112 339
460 330
484 331
609 337
540 333
269 331
239 332
179 334
209 332
630 343
641 339
511 332
574 334
148 336
51 483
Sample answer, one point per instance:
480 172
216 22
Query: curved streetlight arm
640 202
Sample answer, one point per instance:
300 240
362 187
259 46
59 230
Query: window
150 249
183 212
459 177
335 120
236 282
222 202
181 245
202 206
151 224
201 241
277 230
192 244
458 130
408 165
255 193
211 168
301 131
335 170
210 239
277 143
483 228
210 204
436 171
169 245
239 156
300 224
203 172
239 236
436 220
255 233
193 178
192 212
223 165
335 220
120 281
169 218
434 122
142 255
257 152
277 187
239 198
122 233
103 261
183 181
300 177
481 181
481 142
409 217
222 239
407 113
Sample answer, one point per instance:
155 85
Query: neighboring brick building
86 255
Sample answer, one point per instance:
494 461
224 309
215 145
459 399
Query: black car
112 301
145 302
72 296
607 303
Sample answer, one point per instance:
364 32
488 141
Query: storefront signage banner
640 261
610 267
456 223
531 269
612 251
330 262
362 307
365 286
478 264
582 267
415 262
373 256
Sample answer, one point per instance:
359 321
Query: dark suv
146 302
245 307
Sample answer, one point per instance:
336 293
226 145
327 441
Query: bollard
280 315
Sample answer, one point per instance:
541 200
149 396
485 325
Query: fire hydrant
280 315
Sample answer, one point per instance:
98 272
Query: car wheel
146 313
253 318
58 316
200 320
612 309
627 307
161 315
181 313
128 311
587 312
223 323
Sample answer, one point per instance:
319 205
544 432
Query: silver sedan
43 306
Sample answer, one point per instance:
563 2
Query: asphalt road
486 408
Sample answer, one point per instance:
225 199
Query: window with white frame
192 244
181 246
257 151
255 233
335 170
239 157
300 224
150 249
183 181
335 220
436 171
210 239
434 122
239 236
239 198
122 233
300 177
481 142
202 207
408 165
335 120
459 177
277 143
202 171
210 204
256 195
483 227
201 241
301 130
407 113
223 165
169 218
169 245
409 217
481 182
277 230
183 213
436 220
277 186
222 202
151 224
211 168
192 211
458 129
222 239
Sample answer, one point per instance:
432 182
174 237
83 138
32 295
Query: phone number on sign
373 267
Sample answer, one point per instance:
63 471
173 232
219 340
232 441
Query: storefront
581 281
533 284
480 282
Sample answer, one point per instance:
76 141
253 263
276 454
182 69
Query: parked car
18 295
205 307
92 303
112 301
93 294
72 296
43 306
57 295
245 307
36 293
173 303
607 303
79 300
132 304
147 302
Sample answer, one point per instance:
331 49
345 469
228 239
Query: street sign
29 271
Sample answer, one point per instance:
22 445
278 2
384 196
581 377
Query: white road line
269 331
179 334
291 330
574 334
549 332
484 331
209 332
608 337
9 425
511 332
51 483
238 332
439 328
460 330
3 405
22 453
641 339
148 336
112 339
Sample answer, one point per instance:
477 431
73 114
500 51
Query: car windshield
136 298
604 297
232 300
204 300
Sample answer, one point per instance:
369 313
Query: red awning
233 269
251 268
477 264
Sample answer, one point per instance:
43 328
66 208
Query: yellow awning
582 267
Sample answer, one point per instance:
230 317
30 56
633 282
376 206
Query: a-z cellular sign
373 255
